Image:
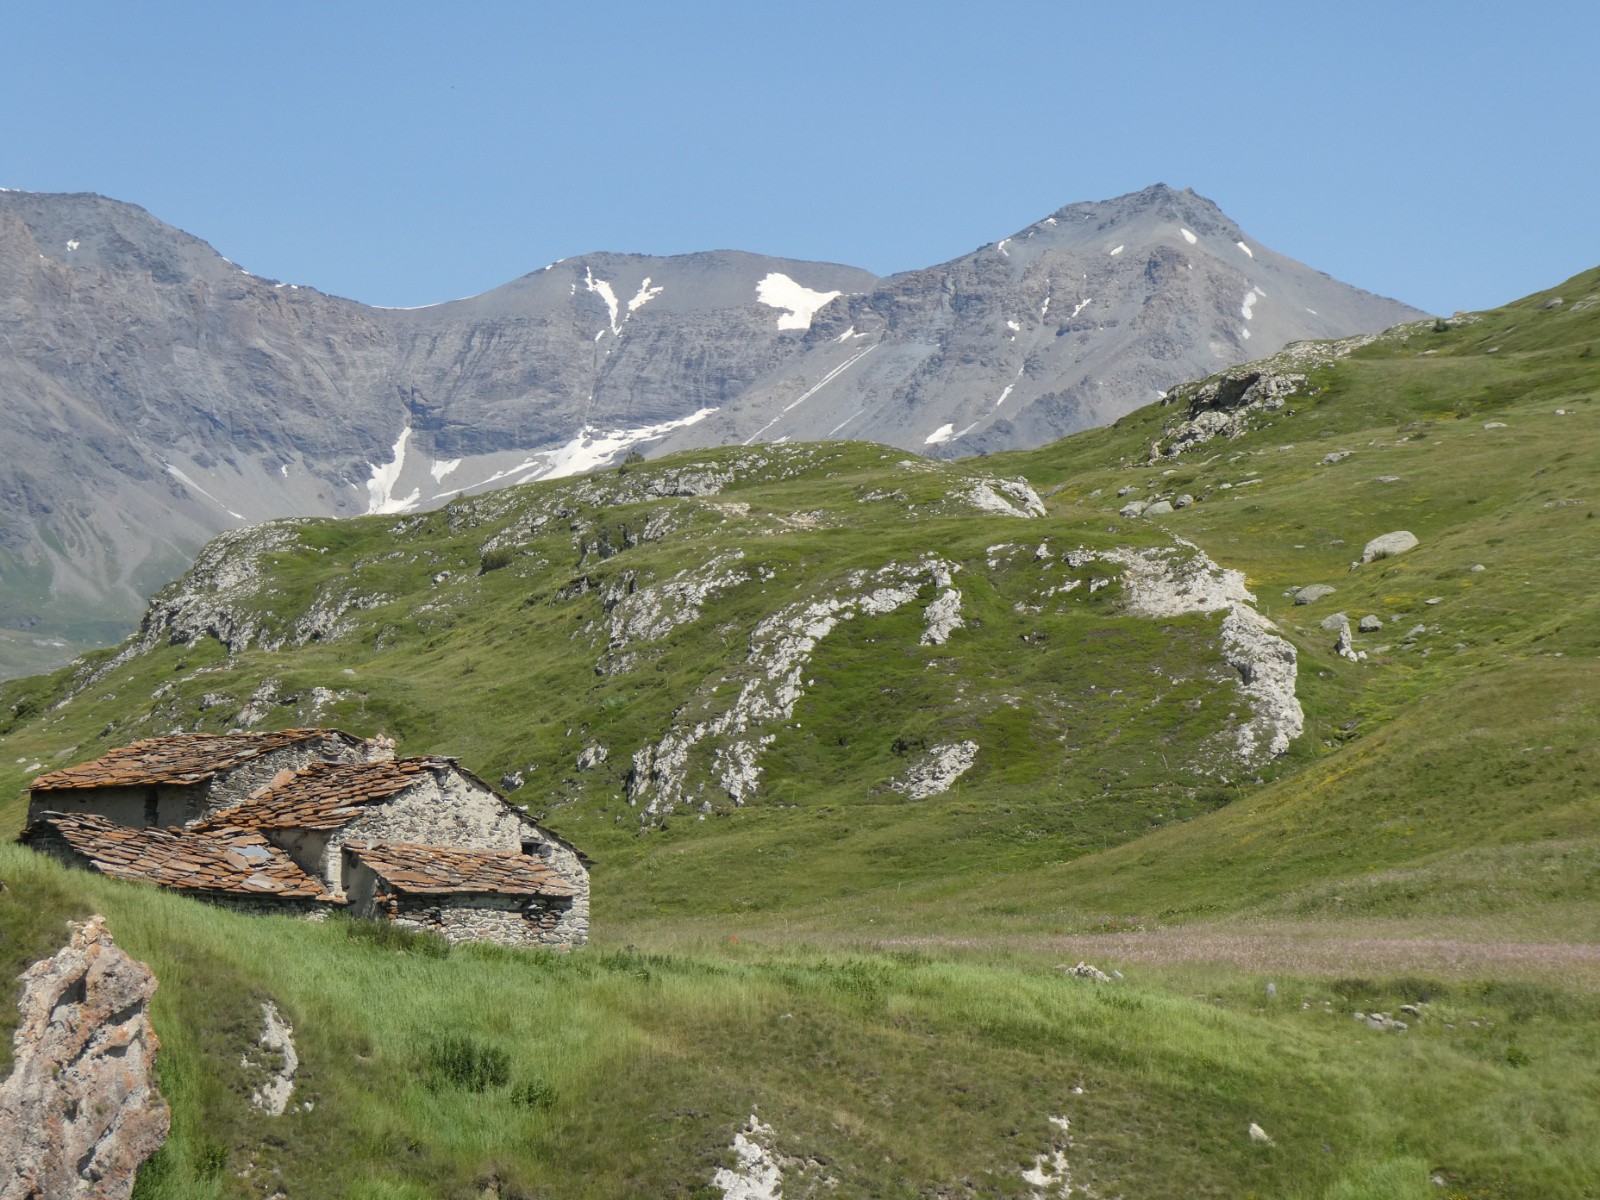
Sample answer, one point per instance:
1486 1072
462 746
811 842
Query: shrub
458 1061
534 1093
493 560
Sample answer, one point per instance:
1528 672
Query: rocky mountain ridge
157 393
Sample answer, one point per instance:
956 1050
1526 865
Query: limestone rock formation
80 1111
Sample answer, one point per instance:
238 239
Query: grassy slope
1442 788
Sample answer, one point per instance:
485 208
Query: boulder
1159 509
1388 545
80 1111
1132 508
1183 501
1312 593
1333 622
1345 646
1370 624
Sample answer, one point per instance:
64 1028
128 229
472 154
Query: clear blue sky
402 153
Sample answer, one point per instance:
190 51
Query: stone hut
232 867
186 777
422 842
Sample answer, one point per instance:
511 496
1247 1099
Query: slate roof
326 795
236 861
176 759
434 870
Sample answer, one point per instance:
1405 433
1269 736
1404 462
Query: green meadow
878 977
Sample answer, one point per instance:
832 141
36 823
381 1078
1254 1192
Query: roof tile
326 795
436 870
177 758
220 860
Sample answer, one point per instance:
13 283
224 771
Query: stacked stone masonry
313 821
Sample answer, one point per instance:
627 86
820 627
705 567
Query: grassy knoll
625 1072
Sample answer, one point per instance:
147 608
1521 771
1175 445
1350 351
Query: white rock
934 772
756 1174
1389 544
1258 1134
1162 583
277 1037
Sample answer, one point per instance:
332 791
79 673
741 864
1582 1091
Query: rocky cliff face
157 394
80 1111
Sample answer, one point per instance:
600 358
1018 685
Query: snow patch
1004 394
1245 334
1245 248
1188 237
591 448
1014 327
440 469
602 289
380 488
284 470
940 435
777 290
1118 250
1082 304
812 390
195 487
1250 299
1001 246
1045 307
644 295
73 245
846 421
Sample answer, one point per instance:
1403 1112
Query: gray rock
1389 544
1337 456
1313 592
1084 971
1553 302
80 1111
1370 624
1183 501
1381 1021
1476 567
1334 621
1133 508
1415 632
592 756
1494 424
1387 479
1159 509
1345 646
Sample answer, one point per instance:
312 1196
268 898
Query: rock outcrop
1169 583
80 1111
